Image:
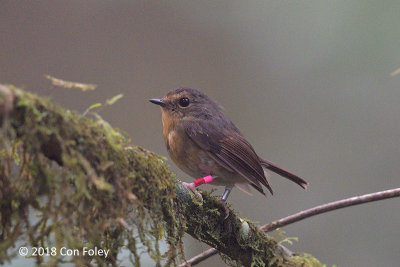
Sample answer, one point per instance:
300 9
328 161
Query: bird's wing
230 149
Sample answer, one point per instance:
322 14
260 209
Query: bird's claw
192 187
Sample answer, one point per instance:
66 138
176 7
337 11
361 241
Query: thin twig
331 206
357 200
200 257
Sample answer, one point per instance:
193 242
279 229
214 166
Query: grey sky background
307 82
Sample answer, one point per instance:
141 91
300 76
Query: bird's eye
184 102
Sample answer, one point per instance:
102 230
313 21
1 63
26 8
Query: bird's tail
273 167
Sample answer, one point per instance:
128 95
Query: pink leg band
203 180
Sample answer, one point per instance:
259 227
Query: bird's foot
192 187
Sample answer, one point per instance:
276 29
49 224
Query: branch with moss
343 203
89 187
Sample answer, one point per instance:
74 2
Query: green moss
80 178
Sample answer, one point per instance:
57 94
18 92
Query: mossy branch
89 187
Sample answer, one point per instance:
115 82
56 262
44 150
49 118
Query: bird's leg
224 198
192 186
226 193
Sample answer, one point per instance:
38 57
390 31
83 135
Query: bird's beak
157 102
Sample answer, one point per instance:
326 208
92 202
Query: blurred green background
307 82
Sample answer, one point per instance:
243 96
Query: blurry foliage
280 234
108 102
71 85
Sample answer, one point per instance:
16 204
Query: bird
203 142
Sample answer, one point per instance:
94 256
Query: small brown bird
203 142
